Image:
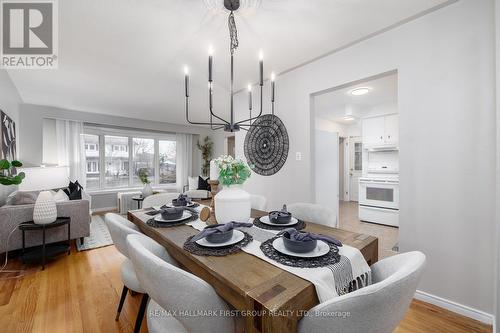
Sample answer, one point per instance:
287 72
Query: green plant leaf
16 164
4 165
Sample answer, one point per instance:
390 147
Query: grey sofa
12 215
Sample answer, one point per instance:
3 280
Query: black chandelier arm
198 123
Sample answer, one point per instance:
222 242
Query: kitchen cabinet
392 129
381 131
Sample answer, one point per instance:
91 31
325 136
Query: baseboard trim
104 209
461 309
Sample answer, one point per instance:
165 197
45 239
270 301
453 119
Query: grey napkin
166 208
219 228
304 236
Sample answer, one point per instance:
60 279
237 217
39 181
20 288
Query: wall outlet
298 156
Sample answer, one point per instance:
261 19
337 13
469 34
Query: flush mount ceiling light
349 118
360 91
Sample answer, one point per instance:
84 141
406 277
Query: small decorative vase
147 190
232 203
45 210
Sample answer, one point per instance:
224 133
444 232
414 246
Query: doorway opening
230 146
356 156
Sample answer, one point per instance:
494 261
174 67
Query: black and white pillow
203 183
74 191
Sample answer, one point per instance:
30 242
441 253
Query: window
167 159
92 160
92 167
115 174
92 146
358 156
114 158
143 158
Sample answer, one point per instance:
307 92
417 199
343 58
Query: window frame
130 134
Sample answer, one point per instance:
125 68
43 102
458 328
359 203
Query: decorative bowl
299 246
280 217
179 202
172 213
219 237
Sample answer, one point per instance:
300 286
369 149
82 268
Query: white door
355 167
326 169
392 128
373 131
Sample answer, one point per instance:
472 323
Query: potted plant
144 178
232 203
207 150
8 174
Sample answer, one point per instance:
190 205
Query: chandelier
217 122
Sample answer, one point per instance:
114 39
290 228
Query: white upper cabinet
392 129
381 131
373 131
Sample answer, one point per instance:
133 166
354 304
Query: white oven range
379 200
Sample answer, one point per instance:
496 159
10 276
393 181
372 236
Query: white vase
147 190
45 210
232 203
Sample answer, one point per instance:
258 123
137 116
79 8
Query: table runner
328 281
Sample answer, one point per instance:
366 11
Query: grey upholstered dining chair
119 228
159 199
377 308
313 213
259 202
173 290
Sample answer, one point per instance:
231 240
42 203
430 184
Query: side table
139 199
47 250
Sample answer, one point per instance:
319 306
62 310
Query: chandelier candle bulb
261 68
273 77
210 60
210 100
250 97
186 80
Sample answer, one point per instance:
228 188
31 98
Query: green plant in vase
8 174
144 176
232 171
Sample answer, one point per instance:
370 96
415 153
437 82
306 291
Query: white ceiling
125 57
332 105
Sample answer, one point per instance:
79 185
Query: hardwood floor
80 292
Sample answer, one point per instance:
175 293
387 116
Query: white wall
9 103
445 63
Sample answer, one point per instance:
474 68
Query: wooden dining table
269 298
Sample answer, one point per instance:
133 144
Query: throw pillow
74 191
60 196
203 184
75 195
21 198
192 183
72 186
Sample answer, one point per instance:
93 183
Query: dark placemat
330 258
257 222
155 224
199 250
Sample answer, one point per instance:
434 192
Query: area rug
99 235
